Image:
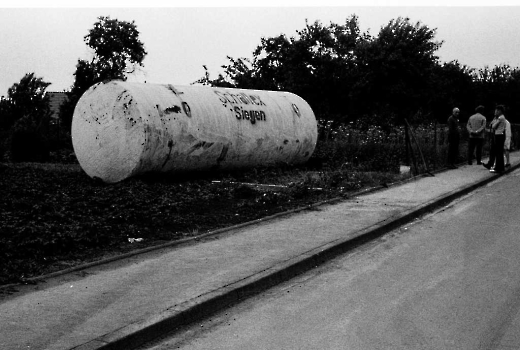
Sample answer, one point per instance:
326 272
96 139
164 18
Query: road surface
450 280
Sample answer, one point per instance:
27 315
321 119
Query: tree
25 99
24 119
395 68
118 52
499 85
7 118
346 75
316 64
453 86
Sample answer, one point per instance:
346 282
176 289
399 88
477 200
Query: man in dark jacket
453 138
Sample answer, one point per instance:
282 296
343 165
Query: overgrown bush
384 149
361 148
28 142
28 146
363 157
4 145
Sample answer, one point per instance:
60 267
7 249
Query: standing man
498 130
476 126
507 144
453 138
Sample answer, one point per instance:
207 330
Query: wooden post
420 151
435 149
407 143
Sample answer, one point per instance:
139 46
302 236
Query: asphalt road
448 281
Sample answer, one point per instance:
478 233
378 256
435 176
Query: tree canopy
25 99
347 75
116 47
117 52
24 120
395 68
316 64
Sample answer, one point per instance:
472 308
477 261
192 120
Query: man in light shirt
507 144
476 126
498 130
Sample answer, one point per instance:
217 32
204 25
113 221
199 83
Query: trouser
499 152
492 151
453 150
475 145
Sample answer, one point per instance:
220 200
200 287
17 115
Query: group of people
499 138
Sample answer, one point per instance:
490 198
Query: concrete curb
205 305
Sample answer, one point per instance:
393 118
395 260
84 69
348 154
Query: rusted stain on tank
186 139
126 105
201 144
174 90
130 123
172 109
168 110
198 148
154 148
223 154
147 130
170 146
120 96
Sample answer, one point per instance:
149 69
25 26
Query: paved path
123 303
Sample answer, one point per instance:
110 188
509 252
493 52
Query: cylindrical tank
122 129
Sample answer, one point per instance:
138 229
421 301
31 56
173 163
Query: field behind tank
53 216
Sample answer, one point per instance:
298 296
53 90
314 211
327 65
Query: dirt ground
53 216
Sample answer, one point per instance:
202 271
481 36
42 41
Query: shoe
452 167
493 171
479 163
507 165
470 163
487 166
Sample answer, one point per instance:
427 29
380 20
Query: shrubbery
28 146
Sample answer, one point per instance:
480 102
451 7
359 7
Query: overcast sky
180 40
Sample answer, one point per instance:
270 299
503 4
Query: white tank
122 129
